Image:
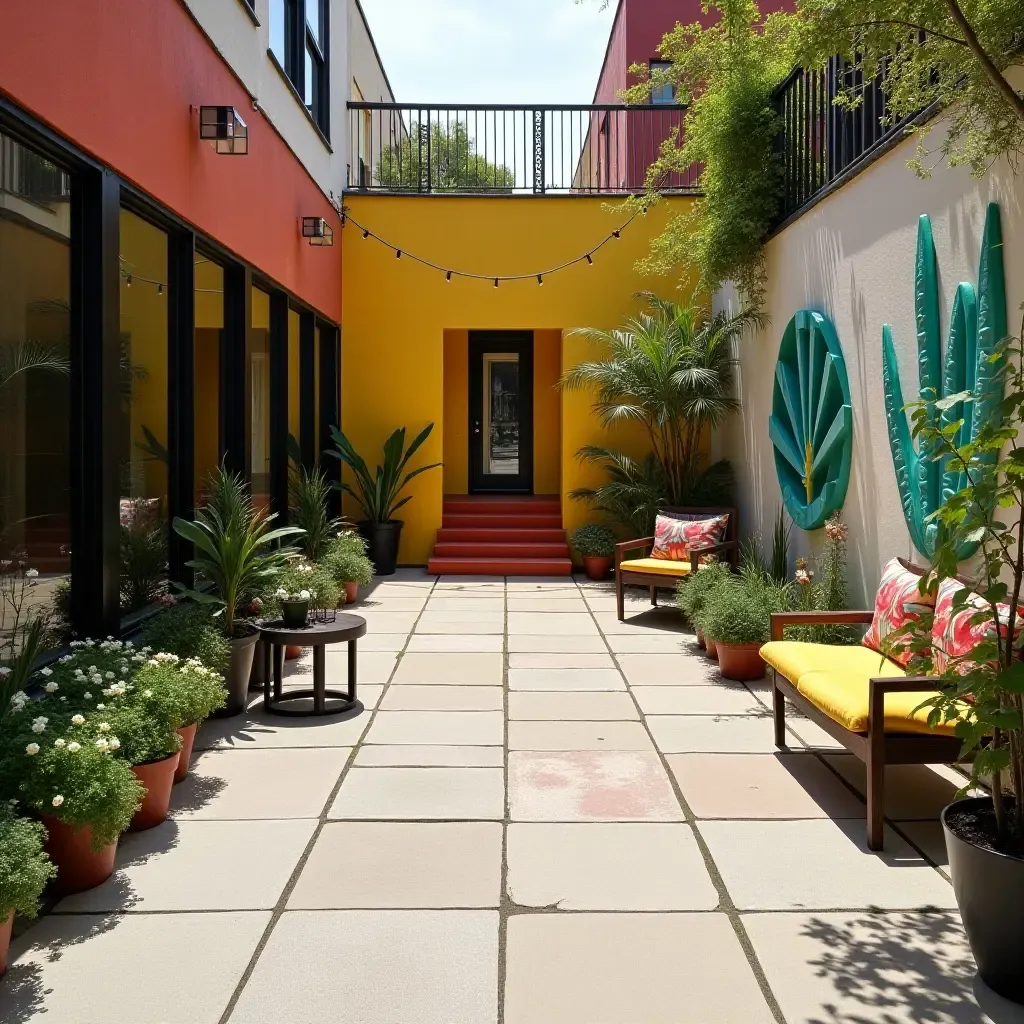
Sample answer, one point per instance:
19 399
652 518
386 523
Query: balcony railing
30 176
508 150
821 142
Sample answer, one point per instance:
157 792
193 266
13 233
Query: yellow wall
404 327
455 418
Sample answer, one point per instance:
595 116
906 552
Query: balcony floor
543 816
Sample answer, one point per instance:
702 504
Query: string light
159 289
128 281
449 273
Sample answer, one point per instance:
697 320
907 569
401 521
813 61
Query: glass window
209 325
259 398
144 458
313 20
277 15
663 93
294 432
35 522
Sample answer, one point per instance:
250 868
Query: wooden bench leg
620 603
779 709
876 772
654 597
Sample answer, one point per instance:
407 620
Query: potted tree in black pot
975 638
378 494
237 556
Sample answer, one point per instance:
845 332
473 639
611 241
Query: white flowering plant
185 690
51 762
303 581
24 867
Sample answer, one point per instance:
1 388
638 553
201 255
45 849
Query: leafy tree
951 53
449 152
726 72
670 369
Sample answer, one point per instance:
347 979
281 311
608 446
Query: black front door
501 412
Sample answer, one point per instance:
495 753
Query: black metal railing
510 149
31 176
821 141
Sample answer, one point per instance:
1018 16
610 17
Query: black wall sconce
225 129
317 230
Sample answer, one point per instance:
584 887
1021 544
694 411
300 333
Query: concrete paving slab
606 735
676 669
436 756
452 728
443 698
712 734
459 668
430 794
722 699
558 679
538 705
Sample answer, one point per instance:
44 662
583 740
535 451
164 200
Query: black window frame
298 42
98 194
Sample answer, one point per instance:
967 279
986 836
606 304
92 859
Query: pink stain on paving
590 785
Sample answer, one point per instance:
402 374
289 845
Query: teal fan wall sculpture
977 324
811 425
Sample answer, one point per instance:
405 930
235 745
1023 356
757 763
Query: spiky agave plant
973 369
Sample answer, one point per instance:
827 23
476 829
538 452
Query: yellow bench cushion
792 658
835 679
662 566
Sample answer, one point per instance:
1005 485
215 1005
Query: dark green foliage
377 494
739 612
593 541
189 630
779 567
309 491
695 591
24 868
143 558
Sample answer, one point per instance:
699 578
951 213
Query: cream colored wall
852 257
364 67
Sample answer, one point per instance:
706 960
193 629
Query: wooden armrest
904 684
722 545
630 545
780 620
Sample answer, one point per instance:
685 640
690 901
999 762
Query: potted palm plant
596 545
974 438
24 871
378 494
238 555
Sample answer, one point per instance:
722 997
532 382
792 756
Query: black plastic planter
382 539
989 888
236 679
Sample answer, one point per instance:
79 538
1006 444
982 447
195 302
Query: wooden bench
877 745
655 572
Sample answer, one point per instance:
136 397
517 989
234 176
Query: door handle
476 427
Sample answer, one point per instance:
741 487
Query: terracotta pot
5 939
291 652
158 778
188 739
597 568
79 866
351 593
700 639
740 661
710 648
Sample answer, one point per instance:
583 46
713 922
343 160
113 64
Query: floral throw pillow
897 603
675 537
955 635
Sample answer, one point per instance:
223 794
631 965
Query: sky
491 51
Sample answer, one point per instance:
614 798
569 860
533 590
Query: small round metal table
275 638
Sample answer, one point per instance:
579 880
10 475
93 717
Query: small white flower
108 675
78 719
281 594
63 700
64 660
87 695
104 727
32 749
147 693
303 595
73 747
46 671
102 744
93 668
101 707
31 573
96 678
114 743
60 743
51 687
39 724
57 800
128 643
4 672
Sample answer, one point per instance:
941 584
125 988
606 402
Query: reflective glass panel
501 413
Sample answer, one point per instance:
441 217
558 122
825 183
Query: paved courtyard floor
542 816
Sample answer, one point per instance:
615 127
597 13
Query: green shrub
693 592
190 631
593 541
24 868
313 578
740 611
309 490
187 688
144 728
348 566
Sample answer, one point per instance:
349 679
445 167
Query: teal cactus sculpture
977 325
811 425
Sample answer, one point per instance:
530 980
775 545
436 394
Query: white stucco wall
244 46
852 257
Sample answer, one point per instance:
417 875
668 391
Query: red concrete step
501 566
511 535
477 521
454 549
500 506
